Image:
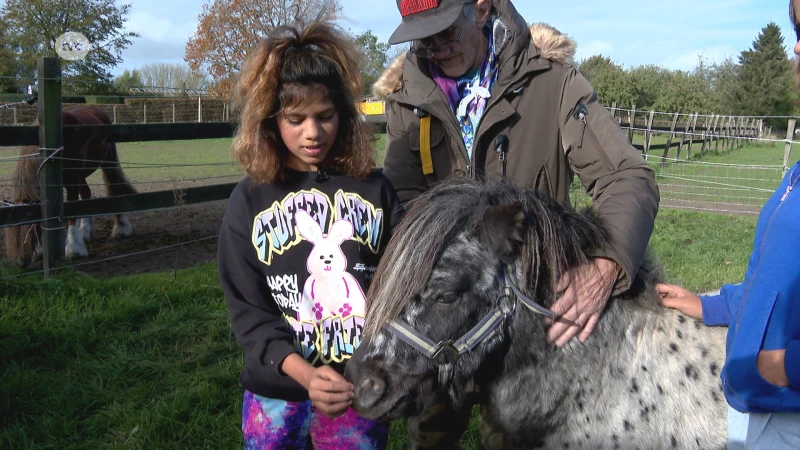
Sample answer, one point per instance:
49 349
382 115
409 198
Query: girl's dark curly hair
284 71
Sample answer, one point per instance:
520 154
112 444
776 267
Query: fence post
631 119
683 136
50 175
145 112
705 134
173 113
788 147
199 111
114 108
691 136
613 110
647 134
670 138
15 115
725 137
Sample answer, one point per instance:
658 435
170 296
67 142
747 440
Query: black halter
447 352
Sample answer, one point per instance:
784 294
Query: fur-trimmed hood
551 43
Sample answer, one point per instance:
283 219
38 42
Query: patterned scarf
469 95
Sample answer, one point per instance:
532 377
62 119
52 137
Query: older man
480 94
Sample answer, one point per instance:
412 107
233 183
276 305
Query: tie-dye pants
269 423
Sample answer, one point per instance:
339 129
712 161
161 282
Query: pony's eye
447 297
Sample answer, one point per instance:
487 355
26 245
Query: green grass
150 361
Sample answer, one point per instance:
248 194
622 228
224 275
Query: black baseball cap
424 18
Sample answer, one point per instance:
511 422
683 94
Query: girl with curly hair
301 238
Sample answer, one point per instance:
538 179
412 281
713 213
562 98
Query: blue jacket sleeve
715 310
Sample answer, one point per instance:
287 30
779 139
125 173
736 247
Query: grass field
150 361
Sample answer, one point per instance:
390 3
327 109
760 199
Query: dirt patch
164 239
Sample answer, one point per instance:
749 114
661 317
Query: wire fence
136 111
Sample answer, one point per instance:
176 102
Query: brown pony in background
80 160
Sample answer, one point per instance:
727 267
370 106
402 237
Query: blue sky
670 34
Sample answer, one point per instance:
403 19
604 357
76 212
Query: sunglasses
445 49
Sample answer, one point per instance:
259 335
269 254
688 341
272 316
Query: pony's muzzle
369 390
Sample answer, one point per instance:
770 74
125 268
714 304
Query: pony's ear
501 230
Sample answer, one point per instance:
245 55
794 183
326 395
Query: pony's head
444 273
23 242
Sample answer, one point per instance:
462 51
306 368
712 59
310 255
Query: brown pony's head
23 242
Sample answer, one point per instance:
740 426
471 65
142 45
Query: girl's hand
680 298
329 391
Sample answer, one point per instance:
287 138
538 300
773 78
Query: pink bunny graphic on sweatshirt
330 290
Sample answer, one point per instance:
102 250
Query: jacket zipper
494 99
580 113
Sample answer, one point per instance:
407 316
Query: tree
228 29
374 59
611 82
177 76
34 26
647 82
765 76
8 61
722 80
682 92
127 80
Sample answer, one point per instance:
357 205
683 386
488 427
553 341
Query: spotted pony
461 290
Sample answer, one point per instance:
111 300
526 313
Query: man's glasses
442 50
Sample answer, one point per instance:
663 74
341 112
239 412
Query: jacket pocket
752 320
591 129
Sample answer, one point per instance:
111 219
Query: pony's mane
554 238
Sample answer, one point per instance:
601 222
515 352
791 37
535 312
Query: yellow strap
425 144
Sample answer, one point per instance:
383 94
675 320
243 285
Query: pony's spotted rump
648 377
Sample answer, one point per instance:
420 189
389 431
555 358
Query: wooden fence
52 211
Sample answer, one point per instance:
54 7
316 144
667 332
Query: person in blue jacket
761 376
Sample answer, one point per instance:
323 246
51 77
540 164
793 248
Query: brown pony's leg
86 224
76 247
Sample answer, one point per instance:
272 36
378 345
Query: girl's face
309 131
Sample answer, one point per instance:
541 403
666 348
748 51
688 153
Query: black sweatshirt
295 259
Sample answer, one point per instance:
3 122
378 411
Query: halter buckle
445 353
